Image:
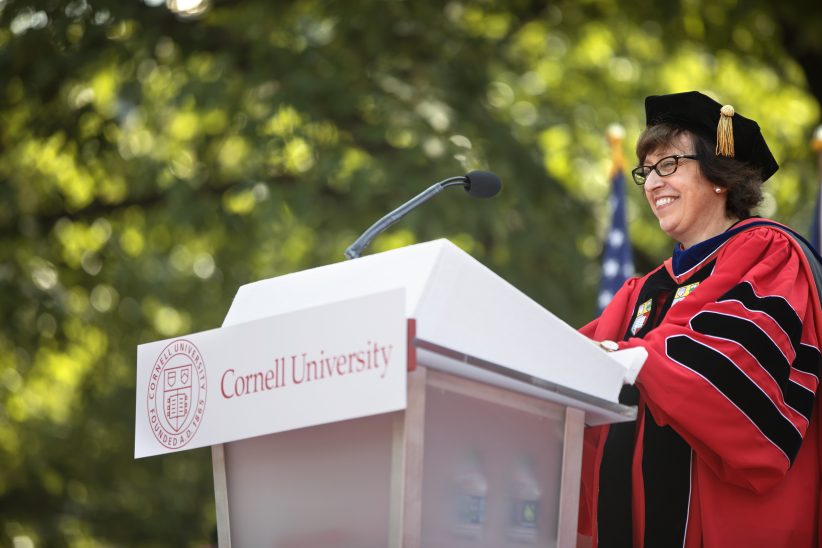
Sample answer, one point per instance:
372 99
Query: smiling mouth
662 202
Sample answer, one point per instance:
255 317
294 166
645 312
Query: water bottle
525 498
470 491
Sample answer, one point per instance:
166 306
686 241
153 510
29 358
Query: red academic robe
732 369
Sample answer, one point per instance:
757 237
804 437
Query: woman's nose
653 180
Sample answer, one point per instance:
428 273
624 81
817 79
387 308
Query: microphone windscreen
482 184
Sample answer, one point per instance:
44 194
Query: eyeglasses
664 167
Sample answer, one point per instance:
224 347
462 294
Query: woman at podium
725 449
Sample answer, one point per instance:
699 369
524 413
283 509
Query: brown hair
743 181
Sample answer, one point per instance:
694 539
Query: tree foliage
152 162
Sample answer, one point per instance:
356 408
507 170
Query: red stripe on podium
412 349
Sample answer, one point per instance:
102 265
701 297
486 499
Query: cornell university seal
177 394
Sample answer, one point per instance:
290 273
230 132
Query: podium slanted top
458 304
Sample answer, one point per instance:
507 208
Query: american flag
617 259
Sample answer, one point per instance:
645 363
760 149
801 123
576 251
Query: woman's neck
709 231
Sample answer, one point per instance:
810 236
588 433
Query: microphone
479 184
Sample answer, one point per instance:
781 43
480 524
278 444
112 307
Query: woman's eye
667 166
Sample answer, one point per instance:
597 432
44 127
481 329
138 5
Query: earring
718 190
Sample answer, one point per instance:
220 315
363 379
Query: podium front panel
318 487
492 468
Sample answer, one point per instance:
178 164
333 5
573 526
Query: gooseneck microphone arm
354 250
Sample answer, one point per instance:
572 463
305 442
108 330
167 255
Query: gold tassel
725 133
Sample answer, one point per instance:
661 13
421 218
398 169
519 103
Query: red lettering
257 378
341 361
294 370
222 384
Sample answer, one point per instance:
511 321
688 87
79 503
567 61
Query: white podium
409 398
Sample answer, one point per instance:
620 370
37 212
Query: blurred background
154 156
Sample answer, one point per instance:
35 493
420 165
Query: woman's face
686 204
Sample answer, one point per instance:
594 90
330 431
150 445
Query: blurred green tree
154 158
